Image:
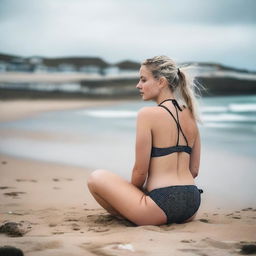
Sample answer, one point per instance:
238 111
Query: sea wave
228 117
242 107
109 113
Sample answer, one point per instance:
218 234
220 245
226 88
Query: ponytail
185 90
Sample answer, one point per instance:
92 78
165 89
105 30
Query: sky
220 31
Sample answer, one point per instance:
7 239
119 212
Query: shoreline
11 110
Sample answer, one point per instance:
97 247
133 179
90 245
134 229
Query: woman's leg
104 203
120 197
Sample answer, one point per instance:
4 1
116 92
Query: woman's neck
163 96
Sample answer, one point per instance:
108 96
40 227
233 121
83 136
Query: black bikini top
156 152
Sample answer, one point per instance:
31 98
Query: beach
56 214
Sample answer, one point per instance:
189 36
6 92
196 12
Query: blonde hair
180 82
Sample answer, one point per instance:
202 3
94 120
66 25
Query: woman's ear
163 82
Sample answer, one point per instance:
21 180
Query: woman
162 189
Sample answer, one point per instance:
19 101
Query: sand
18 109
58 216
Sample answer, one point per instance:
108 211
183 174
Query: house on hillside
18 64
111 70
127 66
90 69
67 68
3 66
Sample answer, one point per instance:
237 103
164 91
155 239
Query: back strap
176 105
174 102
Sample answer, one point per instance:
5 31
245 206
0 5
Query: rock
14 229
248 249
10 251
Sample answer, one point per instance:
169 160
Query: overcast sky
222 31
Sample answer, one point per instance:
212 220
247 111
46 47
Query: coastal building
3 66
111 70
90 69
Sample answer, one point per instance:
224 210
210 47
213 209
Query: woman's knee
96 177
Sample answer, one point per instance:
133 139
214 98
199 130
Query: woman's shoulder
148 114
148 111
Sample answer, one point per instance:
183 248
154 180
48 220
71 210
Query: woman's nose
138 85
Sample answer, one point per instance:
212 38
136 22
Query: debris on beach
248 249
128 247
10 250
14 213
15 229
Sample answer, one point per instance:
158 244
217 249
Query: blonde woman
162 188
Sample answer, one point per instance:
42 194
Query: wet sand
57 215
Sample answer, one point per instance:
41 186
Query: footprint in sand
216 218
209 246
59 179
98 229
204 220
57 232
107 219
5 187
26 180
37 246
52 225
71 219
75 226
236 217
247 209
14 194
56 188
188 241
220 244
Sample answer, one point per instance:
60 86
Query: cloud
130 29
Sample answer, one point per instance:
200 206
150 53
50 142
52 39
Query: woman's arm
143 148
195 156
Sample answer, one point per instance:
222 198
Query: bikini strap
178 121
174 102
176 105
174 120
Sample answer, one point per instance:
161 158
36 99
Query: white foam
223 125
214 109
228 118
242 107
110 113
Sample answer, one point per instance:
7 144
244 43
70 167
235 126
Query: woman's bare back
172 169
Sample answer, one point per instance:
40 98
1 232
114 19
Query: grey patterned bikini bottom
179 202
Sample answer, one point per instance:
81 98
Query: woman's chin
143 97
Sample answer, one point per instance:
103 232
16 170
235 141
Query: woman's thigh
126 198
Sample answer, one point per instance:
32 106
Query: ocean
104 137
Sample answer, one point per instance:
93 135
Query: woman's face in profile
147 84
